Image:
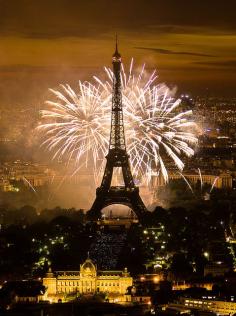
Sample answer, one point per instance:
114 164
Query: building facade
219 181
213 305
87 281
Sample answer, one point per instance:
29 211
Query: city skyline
117 183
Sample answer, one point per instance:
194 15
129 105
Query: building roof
110 272
90 269
88 264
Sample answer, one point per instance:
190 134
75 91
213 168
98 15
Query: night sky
43 43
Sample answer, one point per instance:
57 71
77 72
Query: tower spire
116 43
116 54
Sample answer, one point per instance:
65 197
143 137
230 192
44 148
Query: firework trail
76 126
201 181
213 184
186 181
30 185
200 177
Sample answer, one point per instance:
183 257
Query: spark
201 181
30 185
213 184
186 181
76 125
200 176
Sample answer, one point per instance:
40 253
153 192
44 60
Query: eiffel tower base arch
117 195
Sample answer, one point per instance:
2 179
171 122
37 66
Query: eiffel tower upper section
117 135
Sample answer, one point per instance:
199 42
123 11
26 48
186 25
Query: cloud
220 63
204 30
37 69
63 18
171 52
21 67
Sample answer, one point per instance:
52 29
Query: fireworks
77 125
191 187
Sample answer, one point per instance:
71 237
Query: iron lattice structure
128 194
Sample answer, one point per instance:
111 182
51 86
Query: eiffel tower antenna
117 157
116 43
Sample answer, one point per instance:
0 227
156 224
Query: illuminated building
182 285
223 180
32 174
118 223
210 304
87 281
5 185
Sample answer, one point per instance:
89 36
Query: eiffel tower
128 194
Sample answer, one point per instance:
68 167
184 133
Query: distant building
223 180
213 305
15 292
5 185
32 174
141 299
216 269
182 285
116 223
87 281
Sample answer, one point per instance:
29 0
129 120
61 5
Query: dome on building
88 268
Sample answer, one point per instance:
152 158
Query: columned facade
87 281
